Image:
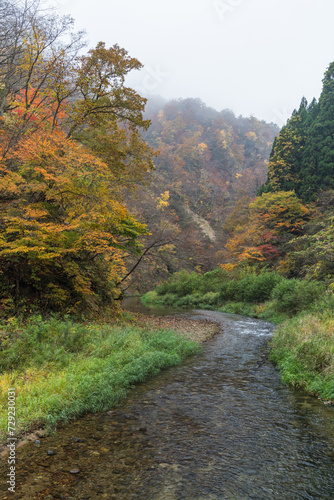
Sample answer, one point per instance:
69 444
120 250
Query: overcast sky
255 57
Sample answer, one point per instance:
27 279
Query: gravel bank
199 330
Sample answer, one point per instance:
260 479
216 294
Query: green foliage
292 296
251 288
242 308
302 158
63 369
180 284
286 156
312 256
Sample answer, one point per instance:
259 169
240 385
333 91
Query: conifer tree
285 164
318 155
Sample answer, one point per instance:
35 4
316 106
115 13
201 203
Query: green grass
303 349
63 369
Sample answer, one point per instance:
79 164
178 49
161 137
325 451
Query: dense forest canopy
289 226
99 195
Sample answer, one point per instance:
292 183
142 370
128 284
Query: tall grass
62 369
303 349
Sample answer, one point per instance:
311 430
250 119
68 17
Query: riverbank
303 344
214 426
60 370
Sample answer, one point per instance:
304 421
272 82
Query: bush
211 281
258 288
210 298
238 308
149 298
180 284
251 288
292 296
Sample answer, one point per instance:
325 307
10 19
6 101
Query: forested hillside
207 161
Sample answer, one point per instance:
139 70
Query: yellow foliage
202 147
252 135
162 201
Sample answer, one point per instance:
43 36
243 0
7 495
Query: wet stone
74 471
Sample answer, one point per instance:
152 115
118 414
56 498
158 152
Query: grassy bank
303 344
62 369
303 349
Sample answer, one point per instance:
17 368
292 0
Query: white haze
255 57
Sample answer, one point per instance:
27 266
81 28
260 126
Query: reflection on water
221 426
135 305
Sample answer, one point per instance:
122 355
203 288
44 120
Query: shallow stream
221 426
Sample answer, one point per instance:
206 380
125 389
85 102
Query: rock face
203 224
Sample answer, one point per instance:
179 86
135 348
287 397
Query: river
220 426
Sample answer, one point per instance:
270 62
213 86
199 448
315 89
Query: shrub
210 298
258 288
292 296
180 284
149 298
251 288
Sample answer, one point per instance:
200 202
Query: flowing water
221 426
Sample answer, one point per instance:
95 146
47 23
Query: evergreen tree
302 158
285 161
318 155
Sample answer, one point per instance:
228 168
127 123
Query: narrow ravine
221 426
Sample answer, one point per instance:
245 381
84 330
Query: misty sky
256 57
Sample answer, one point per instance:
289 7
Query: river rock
74 471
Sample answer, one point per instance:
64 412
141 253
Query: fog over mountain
256 57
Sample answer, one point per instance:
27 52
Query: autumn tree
70 144
312 255
260 231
